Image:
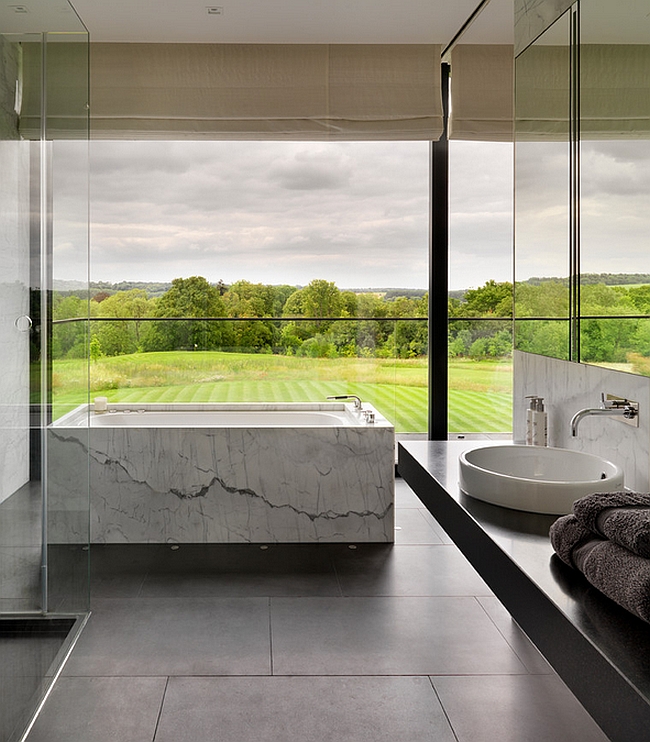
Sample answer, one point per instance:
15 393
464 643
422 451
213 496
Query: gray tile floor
305 643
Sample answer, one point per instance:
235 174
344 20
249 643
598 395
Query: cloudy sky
614 207
352 213
356 213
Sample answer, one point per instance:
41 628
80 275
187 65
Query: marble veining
568 387
204 484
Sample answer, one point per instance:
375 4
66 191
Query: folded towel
621 517
567 533
622 576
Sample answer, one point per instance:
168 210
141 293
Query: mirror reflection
615 184
605 180
542 149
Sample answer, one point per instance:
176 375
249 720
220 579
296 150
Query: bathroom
566 383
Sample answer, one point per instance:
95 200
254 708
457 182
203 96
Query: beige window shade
614 91
542 88
266 91
482 92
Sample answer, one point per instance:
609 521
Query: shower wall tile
14 302
568 387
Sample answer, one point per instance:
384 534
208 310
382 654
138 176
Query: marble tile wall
14 302
569 387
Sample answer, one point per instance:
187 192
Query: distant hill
390 293
609 279
154 288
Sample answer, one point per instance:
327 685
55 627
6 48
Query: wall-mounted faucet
610 406
357 400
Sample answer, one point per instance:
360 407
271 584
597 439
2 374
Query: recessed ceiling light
19 8
215 9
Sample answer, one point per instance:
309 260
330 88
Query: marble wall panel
569 387
14 302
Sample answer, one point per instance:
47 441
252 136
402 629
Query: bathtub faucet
611 407
357 400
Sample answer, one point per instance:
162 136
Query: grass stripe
479 393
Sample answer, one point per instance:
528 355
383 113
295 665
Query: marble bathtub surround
227 485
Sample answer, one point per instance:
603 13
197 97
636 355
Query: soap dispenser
536 422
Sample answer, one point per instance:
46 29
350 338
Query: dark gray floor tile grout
442 706
160 710
270 639
339 575
508 642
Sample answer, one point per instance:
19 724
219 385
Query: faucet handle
610 402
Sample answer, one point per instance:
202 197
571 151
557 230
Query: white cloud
356 213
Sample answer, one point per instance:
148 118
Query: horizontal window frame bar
242 319
490 318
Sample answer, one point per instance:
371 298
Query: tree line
321 320
318 320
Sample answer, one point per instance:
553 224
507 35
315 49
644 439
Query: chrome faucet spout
357 400
622 408
575 420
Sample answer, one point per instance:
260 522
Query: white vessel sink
535 479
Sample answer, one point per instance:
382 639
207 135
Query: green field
480 392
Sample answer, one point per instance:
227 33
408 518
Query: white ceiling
263 21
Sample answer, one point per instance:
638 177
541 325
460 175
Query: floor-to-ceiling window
306 262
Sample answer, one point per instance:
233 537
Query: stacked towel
608 539
621 517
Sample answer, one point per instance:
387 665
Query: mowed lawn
480 392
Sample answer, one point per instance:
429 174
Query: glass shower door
20 491
44 535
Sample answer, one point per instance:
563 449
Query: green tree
319 299
640 298
95 348
189 298
492 298
122 337
548 299
69 339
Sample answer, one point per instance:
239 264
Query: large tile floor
305 643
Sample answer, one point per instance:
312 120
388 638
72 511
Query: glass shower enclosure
44 502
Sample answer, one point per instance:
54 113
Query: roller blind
482 92
265 91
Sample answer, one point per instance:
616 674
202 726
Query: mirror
542 166
582 193
615 184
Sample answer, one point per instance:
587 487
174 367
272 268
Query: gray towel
622 576
621 517
567 533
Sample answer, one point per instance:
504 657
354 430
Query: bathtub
218 473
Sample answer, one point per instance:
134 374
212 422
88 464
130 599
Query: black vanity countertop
600 650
